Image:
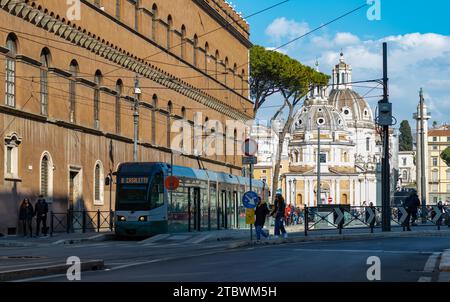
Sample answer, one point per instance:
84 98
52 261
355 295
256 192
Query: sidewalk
57 238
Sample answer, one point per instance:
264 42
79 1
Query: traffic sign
250 199
438 215
340 216
172 183
404 215
250 216
371 218
249 160
250 147
330 199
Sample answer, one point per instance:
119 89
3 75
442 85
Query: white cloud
345 39
282 28
415 60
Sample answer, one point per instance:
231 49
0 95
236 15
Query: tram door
223 221
194 209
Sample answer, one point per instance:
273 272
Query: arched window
45 61
234 76
98 183
155 108
72 90
235 146
226 70
169 32
154 21
183 116
168 122
194 57
183 41
405 175
136 15
206 56
98 83
217 58
46 176
118 8
119 88
10 95
242 81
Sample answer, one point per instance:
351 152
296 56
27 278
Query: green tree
405 139
265 70
272 72
445 155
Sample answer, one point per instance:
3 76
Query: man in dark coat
261 212
41 210
412 204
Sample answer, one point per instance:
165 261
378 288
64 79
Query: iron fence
341 217
76 221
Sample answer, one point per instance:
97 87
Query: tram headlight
121 218
142 218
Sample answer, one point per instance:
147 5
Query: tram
205 200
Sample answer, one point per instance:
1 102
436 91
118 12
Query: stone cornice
28 60
77 37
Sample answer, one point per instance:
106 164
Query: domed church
343 122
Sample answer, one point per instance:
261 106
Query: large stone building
439 171
67 114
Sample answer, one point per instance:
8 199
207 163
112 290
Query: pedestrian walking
278 213
412 204
261 212
26 214
41 210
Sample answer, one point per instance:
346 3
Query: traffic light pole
385 176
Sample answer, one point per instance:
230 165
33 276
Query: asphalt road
402 259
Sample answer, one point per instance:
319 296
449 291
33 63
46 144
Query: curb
444 265
48 270
248 243
95 238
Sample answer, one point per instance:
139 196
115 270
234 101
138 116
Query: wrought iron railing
341 217
73 221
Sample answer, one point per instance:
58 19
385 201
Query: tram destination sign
134 180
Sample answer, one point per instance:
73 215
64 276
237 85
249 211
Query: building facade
407 169
67 80
342 123
439 172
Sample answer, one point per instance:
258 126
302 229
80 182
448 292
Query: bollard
306 222
84 221
111 220
68 222
51 223
98 221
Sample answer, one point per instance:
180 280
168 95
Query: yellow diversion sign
250 216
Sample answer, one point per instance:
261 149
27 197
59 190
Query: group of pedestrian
27 212
278 212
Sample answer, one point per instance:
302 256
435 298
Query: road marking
431 263
363 251
202 238
424 279
155 238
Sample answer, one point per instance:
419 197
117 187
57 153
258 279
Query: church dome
352 106
317 112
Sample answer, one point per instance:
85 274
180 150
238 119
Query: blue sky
417 32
